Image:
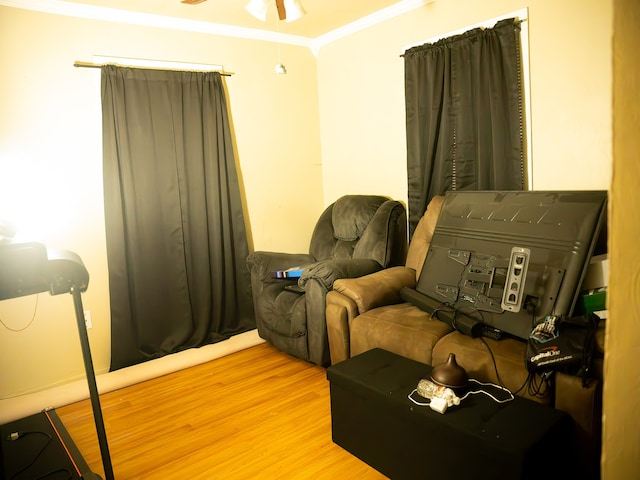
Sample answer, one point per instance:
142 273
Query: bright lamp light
258 8
293 8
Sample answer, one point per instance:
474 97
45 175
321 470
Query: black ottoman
372 418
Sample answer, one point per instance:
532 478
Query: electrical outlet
87 319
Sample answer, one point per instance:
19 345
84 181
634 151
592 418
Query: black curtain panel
176 236
464 115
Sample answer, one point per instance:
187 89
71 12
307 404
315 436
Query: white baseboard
24 405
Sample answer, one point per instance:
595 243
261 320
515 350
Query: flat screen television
501 261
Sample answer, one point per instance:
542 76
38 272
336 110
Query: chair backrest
362 226
422 235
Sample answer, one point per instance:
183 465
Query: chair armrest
352 296
340 311
377 289
326 272
264 264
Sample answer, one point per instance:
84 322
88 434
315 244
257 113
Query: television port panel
516 278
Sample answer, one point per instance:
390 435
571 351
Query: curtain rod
99 65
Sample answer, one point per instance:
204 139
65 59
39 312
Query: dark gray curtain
464 115
176 238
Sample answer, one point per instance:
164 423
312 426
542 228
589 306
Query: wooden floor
254 414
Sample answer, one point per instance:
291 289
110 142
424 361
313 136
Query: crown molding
380 16
78 10
71 9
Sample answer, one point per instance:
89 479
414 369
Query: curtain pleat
464 126
176 236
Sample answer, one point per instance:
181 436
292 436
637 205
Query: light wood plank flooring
254 414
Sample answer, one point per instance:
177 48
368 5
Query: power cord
420 404
443 307
33 317
509 398
533 389
537 385
495 364
15 436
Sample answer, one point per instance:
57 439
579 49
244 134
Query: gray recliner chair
355 236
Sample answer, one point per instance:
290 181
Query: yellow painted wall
51 158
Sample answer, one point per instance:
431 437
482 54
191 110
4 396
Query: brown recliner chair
356 235
369 312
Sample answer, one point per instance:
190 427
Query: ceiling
323 16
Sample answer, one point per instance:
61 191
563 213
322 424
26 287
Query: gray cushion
351 215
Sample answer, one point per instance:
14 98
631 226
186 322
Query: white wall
51 163
361 79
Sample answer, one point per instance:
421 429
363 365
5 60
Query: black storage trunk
373 418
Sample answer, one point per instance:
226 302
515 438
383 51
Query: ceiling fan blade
192 2
282 13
